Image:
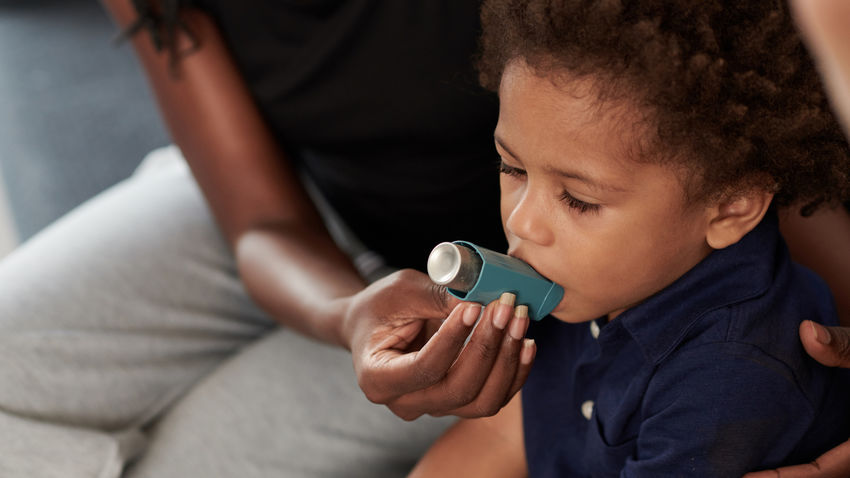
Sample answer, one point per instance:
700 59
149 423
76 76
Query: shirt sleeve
719 410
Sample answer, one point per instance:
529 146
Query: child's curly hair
728 84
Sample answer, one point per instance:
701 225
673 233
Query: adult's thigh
116 309
284 406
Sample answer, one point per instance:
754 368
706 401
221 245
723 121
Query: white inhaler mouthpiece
476 274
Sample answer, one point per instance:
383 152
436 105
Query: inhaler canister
476 274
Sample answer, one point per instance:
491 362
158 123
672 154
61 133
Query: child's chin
571 317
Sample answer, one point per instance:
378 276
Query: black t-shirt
378 101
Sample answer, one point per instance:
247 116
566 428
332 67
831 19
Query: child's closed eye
578 205
504 168
572 202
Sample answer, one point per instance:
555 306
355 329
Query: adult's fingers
474 367
411 406
438 300
526 358
832 464
392 373
410 294
469 374
828 345
501 381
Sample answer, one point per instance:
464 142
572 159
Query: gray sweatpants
128 343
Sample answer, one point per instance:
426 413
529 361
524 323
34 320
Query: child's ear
733 218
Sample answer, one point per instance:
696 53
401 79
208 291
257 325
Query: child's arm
491 447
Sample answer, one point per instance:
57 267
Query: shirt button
587 409
594 329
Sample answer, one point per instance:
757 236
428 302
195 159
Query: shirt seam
762 352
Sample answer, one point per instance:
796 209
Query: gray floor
76 114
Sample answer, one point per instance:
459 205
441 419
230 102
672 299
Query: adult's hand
823 24
833 464
290 265
408 342
829 346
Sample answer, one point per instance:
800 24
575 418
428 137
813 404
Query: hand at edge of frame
829 346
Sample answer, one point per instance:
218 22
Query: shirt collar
726 276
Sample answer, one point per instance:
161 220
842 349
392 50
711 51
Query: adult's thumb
828 345
444 301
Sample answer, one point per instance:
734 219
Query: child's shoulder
761 323
750 321
748 293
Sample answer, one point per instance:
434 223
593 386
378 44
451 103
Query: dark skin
820 241
292 268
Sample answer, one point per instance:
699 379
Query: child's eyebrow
567 174
590 182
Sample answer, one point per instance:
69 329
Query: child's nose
530 220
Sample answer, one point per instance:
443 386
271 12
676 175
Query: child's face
610 230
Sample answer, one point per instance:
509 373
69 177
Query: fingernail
470 315
503 314
507 298
520 323
504 310
821 334
527 353
521 311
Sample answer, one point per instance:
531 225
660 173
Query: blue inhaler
480 275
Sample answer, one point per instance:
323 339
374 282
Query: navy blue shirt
705 378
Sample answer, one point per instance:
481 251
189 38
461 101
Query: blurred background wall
76 115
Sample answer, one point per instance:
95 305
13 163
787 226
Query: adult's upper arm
821 242
211 116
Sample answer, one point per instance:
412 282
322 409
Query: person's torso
589 393
378 101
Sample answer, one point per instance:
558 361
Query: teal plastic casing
502 273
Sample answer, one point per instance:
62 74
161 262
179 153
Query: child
646 147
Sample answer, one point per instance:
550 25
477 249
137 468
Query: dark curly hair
727 85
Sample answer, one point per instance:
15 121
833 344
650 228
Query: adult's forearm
288 262
211 115
822 243
291 266
300 277
824 27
